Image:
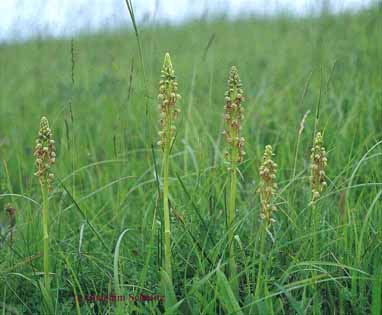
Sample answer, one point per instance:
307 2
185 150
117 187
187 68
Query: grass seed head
45 153
167 98
268 185
318 165
233 116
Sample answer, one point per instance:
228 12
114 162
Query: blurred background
23 19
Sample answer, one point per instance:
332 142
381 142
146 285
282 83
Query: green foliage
108 174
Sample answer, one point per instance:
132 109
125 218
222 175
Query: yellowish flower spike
268 185
45 153
233 116
167 98
319 162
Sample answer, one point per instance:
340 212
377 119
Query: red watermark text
119 298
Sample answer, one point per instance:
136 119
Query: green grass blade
84 216
119 307
226 295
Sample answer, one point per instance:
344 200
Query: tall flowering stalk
233 116
267 190
318 183
319 162
45 153
167 98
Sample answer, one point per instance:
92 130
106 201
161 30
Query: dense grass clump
230 251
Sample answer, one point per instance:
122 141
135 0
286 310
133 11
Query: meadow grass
105 210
